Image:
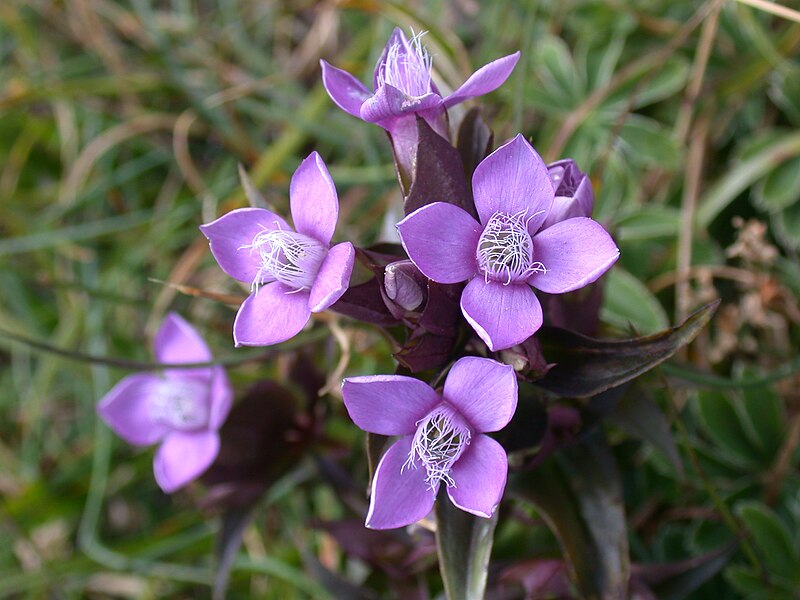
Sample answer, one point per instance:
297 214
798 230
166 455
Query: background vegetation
121 127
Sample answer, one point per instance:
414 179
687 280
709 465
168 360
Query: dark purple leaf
439 175
578 311
638 414
586 367
540 578
442 312
578 491
474 140
423 351
365 303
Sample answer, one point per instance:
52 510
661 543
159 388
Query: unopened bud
404 284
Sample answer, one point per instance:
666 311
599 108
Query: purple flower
508 251
181 408
442 439
291 273
573 189
404 88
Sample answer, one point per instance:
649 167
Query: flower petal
232 231
400 494
480 475
126 410
484 391
389 103
486 79
502 315
388 404
313 199
441 239
273 314
347 92
178 342
513 179
397 38
333 278
183 457
575 252
221 398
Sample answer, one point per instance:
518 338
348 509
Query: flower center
290 257
439 441
409 72
505 249
180 403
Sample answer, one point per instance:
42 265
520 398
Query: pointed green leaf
771 539
585 366
464 544
579 494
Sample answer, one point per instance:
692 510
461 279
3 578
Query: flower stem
464 544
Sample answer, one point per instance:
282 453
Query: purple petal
513 179
486 79
441 239
397 38
575 253
484 391
273 314
183 457
502 315
400 495
389 103
347 92
228 234
126 410
333 278
388 404
313 199
178 342
480 476
221 398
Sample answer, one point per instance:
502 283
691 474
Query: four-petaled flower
442 439
291 273
573 190
182 408
508 251
404 88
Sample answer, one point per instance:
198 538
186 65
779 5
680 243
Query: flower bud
404 284
574 194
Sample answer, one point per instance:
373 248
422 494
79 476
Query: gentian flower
291 272
404 88
508 251
573 190
182 409
442 439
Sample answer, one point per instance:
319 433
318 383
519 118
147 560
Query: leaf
675 581
579 494
780 188
721 422
743 174
765 416
648 143
586 366
254 197
474 140
439 175
464 544
787 226
771 539
229 540
628 302
638 414
647 223
259 442
365 303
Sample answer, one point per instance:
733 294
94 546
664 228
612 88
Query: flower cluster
533 230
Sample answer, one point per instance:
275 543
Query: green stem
464 544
